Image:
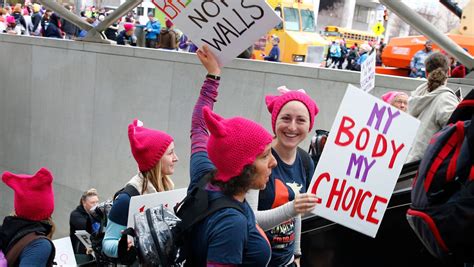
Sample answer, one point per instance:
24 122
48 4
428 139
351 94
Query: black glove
126 256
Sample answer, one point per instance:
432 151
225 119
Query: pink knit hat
234 143
276 103
34 197
388 97
147 145
11 19
169 23
128 26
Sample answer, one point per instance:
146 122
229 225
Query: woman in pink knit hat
25 237
154 153
396 99
283 199
230 156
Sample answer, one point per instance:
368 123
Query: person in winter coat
152 29
233 155
25 237
168 37
12 27
154 153
396 99
20 20
127 36
432 103
36 20
274 52
81 220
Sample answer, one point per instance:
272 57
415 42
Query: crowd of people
35 20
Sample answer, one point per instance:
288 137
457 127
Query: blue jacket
153 29
274 54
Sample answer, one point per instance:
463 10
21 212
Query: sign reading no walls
228 27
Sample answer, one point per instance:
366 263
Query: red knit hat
128 26
234 143
276 103
147 145
34 197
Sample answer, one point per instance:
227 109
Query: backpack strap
129 190
306 164
17 249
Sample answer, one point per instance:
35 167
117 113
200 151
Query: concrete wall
66 105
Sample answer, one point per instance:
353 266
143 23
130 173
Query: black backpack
100 213
163 238
442 209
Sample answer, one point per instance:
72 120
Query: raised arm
200 163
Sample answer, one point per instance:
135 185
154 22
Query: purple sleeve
207 97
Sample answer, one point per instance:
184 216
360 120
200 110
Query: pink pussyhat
233 143
11 19
147 145
128 26
34 196
389 96
276 103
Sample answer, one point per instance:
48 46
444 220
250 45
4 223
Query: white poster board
227 27
367 73
64 252
141 203
361 161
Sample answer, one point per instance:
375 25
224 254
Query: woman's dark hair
437 67
236 185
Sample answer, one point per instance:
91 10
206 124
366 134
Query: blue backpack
442 209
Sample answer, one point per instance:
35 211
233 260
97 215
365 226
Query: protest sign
227 27
64 252
362 159
140 203
367 73
84 237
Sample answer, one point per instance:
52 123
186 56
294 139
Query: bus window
278 12
307 19
292 20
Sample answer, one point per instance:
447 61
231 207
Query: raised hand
208 60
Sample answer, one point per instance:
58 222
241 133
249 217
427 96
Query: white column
316 12
348 13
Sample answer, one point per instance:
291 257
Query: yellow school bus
299 41
333 33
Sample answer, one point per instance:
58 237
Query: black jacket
78 220
14 228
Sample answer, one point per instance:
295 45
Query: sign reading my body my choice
228 27
361 161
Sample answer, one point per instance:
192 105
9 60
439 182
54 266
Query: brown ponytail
437 68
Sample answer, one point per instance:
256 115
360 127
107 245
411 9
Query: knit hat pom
34 197
276 103
147 145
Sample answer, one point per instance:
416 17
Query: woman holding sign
154 152
234 158
292 114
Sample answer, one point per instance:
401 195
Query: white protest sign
64 252
228 27
361 161
140 203
367 73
